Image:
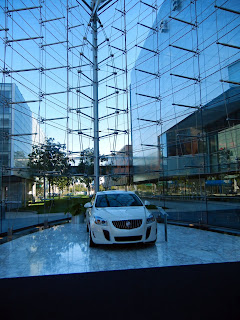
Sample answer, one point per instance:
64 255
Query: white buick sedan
119 217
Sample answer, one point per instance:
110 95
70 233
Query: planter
77 211
78 219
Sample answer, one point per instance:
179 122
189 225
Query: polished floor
64 249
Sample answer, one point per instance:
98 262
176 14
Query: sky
46 52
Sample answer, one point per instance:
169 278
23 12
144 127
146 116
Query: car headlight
150 218
100 221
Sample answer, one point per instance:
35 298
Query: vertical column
205 167
68 91
95 103
67 80
3 89
127 151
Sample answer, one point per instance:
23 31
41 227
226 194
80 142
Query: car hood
121 213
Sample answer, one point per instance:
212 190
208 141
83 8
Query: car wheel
91 243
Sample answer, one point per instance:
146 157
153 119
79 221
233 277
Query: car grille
127 224
128 239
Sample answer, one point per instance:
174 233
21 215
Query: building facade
18 130
185 100
119 168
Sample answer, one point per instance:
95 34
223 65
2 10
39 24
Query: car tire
91 243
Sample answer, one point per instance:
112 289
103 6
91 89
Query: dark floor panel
186 292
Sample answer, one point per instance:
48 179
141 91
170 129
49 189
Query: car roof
113 192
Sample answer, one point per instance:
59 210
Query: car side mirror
88 205
147 203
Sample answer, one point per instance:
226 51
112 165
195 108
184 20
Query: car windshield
117 200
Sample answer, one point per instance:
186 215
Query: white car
119 217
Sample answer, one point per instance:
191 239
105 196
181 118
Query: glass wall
22 145
18 188
5 124
185 106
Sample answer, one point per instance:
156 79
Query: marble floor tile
64 249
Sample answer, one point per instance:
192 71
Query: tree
49 160
86 166
62 182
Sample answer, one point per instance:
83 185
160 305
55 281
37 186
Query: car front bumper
111 235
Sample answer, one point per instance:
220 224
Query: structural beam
23 9
181 48
24 39
154 29
109 115
86 4
147 96
184 105
50 20
81 72
20 102
95 99
144 71
151 145
123 110
180 20
227 9
146 4
109 95
22 70
231 82
118 30
53 68
158 122
105 4
51 119
228 45
117 48
153 51
116 68
53 44
84 94
111 56
73 47
116 88
185 77
81 54
116 130
78 25
112 74
52 93
22 134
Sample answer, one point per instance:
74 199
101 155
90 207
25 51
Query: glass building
16 144
185 107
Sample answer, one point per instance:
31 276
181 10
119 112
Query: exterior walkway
64 249
17 220
193 205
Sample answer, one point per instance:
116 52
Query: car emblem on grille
128 224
